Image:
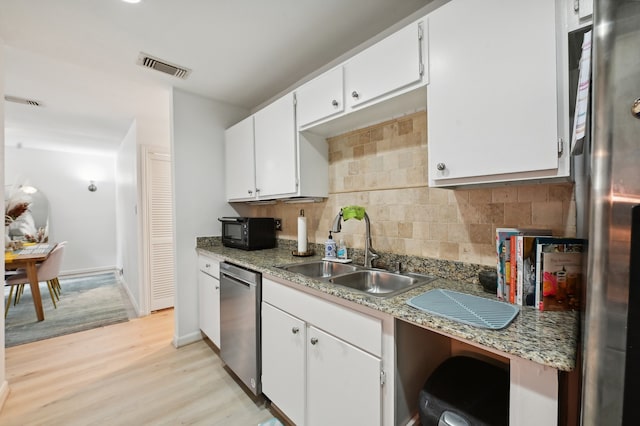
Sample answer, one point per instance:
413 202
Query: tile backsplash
384 169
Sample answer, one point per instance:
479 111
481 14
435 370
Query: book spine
520 269
514 270
499 258
500 267
538 298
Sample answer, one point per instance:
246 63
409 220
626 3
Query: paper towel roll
302 233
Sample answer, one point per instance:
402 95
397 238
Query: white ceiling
78 57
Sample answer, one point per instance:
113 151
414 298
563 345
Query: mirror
31 224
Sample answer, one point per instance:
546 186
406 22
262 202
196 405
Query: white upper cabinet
385 80
320 98
391 64
239 161
492 101
267 158
579 14
275 142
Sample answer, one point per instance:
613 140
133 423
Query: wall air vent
161 65
22 101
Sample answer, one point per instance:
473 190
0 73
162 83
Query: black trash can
465 391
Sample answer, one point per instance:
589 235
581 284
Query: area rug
85 303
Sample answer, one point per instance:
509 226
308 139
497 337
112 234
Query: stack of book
536 269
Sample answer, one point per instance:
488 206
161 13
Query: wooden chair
48 271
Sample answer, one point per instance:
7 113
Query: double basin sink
373 282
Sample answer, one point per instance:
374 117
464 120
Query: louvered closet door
160 227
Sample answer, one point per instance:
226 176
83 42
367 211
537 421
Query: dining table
28 257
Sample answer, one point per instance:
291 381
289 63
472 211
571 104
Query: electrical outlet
278 224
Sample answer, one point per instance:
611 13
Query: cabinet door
391 64
283 353
343 382
585 8
239 161
209 306
492 96
320 98
275 141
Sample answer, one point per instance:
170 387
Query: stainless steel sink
376 283
320 268
373 282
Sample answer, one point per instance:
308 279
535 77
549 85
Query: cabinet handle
334 103
250 192
207 265
295 330
257 190
314 340
441 166
355 95
217 287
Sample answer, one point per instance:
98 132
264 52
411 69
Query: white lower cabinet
209 298
343 382
311 370
283 361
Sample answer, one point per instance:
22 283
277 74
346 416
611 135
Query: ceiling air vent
22 101
161 65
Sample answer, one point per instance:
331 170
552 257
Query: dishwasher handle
239 274
236 280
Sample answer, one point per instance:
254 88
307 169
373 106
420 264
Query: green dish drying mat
465 308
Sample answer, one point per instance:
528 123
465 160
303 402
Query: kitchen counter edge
546 338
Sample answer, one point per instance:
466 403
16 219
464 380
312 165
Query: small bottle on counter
330 248
342 250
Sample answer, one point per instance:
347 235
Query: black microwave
248 233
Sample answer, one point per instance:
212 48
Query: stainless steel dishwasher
240 297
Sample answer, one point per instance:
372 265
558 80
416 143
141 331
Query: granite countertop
547 338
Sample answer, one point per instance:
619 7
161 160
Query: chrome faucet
369 253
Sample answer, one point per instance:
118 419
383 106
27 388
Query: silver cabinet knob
257 190
295 330
207 265
334 103
250 192
441 166
355 95
635 108
314 340
217 287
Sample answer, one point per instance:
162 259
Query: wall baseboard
88 271
179 341
4 393
132 299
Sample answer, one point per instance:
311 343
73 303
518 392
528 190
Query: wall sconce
92 187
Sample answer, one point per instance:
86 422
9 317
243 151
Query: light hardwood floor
124 374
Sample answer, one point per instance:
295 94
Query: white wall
151 128
4 386
126 214
199 199
85 219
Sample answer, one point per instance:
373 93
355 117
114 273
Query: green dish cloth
353 212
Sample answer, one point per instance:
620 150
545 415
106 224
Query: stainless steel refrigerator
611 328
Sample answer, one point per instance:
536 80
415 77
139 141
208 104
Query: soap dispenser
330 248
342 250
